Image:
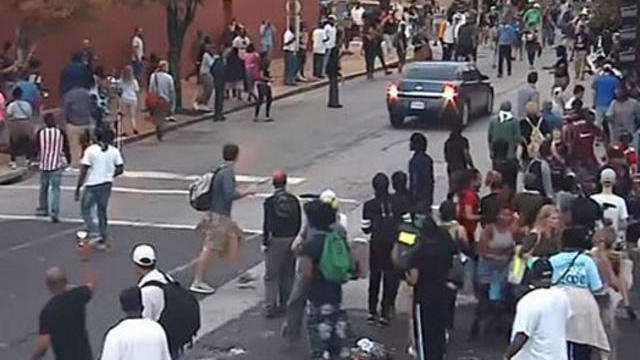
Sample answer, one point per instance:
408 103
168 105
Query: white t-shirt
289 36
102 164
130 91
542 315
136 339
356 15
19 110
615 210
152 296
207 62
330 33
138 47
318 41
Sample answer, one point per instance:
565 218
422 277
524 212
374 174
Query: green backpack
335 262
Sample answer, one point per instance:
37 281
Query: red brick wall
110 31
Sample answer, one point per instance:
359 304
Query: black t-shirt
489 208
433 262
321 291
63 318
455 153
508 168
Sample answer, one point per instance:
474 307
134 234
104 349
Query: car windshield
431 72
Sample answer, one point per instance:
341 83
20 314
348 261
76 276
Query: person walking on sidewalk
318 38
137 52
290 49
53 149
267 41
135 337
62 322
161 84
77 114
19 117
282 223
507 35
421 179
205 79
101 163
380 219
220 235
129 97
218 71
303 48
265 95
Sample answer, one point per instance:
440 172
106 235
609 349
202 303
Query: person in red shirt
629 152
581 135
469 202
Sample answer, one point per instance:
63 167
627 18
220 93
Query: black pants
380 55
390 282
318 60
264 95
218 87
334 96
578 351
429 325
369 60
531 53
504 53
447 51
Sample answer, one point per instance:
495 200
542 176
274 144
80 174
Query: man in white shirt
100 164
318 37
137 52
357 13
135 337
614 208
330 36
539 327
290 49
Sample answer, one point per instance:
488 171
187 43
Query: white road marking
29 244
114 222
133 190
164 175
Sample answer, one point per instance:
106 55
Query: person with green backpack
326 264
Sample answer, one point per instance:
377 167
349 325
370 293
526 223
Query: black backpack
286 206
535 168
180 317
217 68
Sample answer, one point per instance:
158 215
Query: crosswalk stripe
169 176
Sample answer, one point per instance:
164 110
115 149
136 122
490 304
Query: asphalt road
321 148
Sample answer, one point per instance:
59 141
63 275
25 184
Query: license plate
417 105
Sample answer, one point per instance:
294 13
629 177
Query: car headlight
392 91
449 92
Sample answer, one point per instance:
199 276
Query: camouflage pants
328 331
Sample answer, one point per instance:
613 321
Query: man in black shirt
421 174
401 198
62 320
456 152
381 220
282 222
529 201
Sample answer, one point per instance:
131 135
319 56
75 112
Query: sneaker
196 107
372 319
13 165
269 119
202 288
102 246
171 118
55 219
135 131
383 321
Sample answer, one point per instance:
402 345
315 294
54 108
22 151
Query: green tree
179 16
38 17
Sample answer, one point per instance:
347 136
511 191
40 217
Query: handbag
153 100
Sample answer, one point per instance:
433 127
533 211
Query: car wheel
490 101
397 120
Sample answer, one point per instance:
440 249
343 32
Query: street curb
208 116
13 175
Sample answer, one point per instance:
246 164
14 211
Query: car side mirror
484 77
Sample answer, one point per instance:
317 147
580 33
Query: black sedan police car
448 91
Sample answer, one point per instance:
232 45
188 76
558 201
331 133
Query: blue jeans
291 67
98 196
50 182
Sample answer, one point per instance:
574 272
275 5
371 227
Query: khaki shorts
221 235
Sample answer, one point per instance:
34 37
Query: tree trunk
175 36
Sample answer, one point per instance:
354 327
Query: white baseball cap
608 176
144 255
329 197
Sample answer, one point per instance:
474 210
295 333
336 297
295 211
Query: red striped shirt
51 143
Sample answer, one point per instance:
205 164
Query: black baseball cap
541 270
